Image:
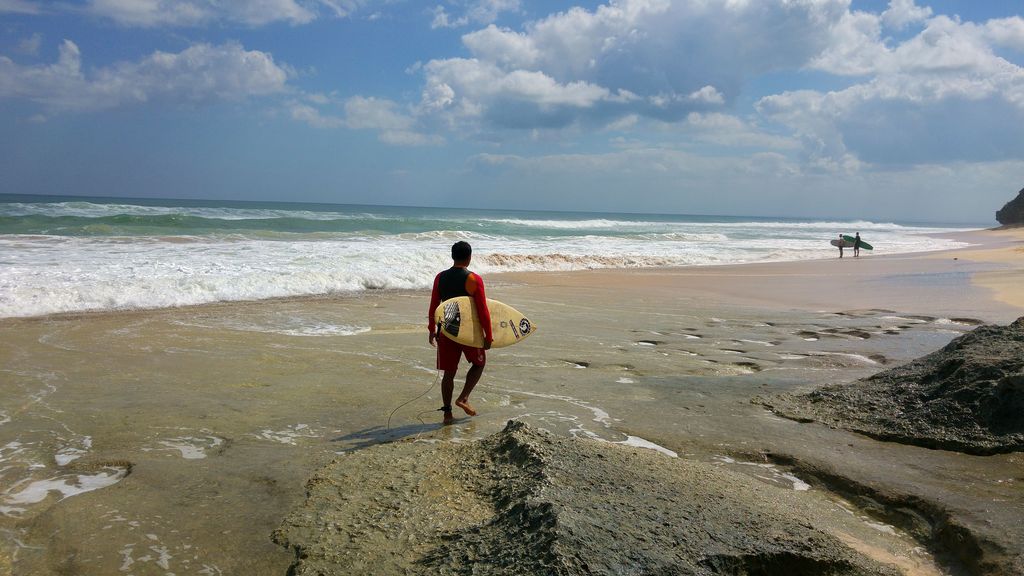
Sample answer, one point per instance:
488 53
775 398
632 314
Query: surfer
856 245
841 241
451 283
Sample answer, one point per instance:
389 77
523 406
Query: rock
1012 214
525 502
968 397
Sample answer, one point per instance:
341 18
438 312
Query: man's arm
435 300
475 286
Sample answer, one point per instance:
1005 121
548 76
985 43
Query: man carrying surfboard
451 283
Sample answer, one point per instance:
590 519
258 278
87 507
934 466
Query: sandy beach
179 440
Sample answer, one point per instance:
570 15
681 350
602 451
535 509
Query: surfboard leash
403 405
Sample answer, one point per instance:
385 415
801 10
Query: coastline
994 251
216 421
954 280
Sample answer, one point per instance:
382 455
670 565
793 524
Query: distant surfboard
458 321
845 243
863 244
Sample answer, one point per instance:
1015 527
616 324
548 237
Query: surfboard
846 244
458 320
864 245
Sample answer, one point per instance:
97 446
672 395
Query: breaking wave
70 256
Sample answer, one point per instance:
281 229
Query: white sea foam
69 454
67 486
288 326
289 435
192 448
760 342
775 476
95 210
641 443
45 274
858 357
599 415
620 223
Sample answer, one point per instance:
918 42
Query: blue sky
900 110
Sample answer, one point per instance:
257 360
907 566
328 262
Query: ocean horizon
83 253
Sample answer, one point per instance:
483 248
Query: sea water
68 254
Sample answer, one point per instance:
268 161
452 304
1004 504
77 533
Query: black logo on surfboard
524 326
452 318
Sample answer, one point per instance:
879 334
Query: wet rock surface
524 501
1012 214
968 397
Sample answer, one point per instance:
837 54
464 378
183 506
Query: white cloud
343 8
1007 32
19 7
31 44
641 64
462 90
471 12
376 114
730 131
942 95
503 47
311 116
902 13
200 73
707 94
856 47
152 13
625 57
443 20
624 123
408 138
360 113
663 180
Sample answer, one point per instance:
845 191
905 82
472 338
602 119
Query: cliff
1012 214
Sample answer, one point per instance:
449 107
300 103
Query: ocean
71 254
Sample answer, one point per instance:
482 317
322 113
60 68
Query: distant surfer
840 244
856 245
454 282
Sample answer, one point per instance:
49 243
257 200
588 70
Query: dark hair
461 251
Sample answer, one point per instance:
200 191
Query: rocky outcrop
968 397
526 502
1012 214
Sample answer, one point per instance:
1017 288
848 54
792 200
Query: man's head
461 252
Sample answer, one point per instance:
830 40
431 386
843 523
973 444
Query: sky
896 110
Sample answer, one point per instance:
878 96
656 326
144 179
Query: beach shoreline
993 250
206 421
830 283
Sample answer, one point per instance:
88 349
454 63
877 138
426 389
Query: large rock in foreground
524 502
968 396
1012 214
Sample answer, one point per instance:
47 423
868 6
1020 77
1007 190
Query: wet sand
180 439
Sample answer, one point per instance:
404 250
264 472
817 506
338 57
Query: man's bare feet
464 404
448 419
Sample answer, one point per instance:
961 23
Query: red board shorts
448 353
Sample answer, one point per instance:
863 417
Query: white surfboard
458 320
